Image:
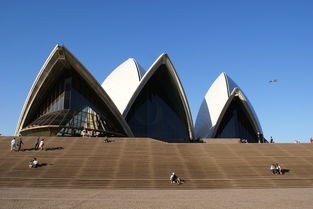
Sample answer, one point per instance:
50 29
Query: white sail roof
215 104
164 59
121 84
60 53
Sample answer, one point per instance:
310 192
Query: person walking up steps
20 142
41 144
13 144
37 143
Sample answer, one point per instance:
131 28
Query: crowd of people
88 133
296 141
271 140
16 145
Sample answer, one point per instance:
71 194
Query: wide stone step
143 163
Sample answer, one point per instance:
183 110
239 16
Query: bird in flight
273 81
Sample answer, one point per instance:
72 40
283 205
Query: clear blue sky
252 41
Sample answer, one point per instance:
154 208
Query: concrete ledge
221 141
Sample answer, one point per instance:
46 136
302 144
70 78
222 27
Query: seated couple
175 179
276 169
33 163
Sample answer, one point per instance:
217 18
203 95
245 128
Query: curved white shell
46 73
121 84
215 104
164 59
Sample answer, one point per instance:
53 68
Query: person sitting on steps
278 168
273 169
106 140
175 179
33 163
178 181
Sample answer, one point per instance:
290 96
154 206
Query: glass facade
158 111
237 123
67 106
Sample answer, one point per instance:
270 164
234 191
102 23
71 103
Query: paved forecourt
39 198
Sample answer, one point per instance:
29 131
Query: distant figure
260 136
13 144
278 168
106 140
244 140
37 143
178 181
41 144
33 163
311 140
30 163
273 169
19 144
271 140
84 132
175 179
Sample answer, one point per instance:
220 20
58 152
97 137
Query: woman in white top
41 144
35 163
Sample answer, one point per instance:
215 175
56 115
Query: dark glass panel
237 123
84 98
158 111
67 92
70 103
54 99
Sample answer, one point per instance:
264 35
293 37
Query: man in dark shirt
20 142
37 143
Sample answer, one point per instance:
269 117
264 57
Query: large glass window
71 104
236 123
53 100
158 111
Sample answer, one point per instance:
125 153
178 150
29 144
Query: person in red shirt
311 140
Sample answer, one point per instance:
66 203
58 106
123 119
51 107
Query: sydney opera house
66 99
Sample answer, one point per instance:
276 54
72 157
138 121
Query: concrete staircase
145 163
